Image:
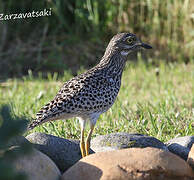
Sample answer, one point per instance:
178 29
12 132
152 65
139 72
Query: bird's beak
146 46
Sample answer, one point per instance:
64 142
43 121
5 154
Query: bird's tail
42 116
34 123
47 113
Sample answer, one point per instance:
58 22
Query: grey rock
63 152
180 146
123 140
190 159
36 165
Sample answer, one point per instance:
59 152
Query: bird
88 95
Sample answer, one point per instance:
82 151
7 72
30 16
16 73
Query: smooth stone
63 152
180 146
37 166
123 140
130 164
190 159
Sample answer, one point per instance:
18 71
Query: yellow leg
87 145
82 144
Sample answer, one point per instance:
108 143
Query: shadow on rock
82 171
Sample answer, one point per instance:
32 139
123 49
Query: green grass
157 103
33 43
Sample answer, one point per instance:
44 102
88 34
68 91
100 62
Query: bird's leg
82 143
87 145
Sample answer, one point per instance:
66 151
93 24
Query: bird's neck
113 62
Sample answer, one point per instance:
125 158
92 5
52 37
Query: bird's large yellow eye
130 40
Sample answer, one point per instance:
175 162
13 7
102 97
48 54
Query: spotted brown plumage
92 93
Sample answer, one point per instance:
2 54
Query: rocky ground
117 156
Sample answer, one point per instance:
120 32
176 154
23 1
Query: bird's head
126 43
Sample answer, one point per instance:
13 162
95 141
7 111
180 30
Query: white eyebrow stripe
127 37
130 36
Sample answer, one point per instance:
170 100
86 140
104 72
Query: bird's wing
69 101
60 104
